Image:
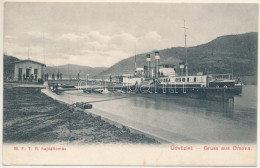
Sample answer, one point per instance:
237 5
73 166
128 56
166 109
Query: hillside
216 56
71 70
67 70
9 66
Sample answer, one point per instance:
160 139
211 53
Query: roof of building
28 60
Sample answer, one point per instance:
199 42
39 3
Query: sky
100 34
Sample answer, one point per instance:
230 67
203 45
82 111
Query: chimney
186 69
157 62
182 68
148 65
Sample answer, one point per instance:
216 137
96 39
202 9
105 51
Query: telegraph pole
186 52
43 47
28 53
43 53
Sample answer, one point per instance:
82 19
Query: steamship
166 79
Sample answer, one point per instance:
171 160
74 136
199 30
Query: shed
28 70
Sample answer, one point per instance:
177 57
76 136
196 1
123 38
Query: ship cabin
167 70
187 81
130 79
199 80
168 76
222 80
139 72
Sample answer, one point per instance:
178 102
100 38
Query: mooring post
223 98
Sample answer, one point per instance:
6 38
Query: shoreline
30 116
118 121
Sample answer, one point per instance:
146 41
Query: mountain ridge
221 55
68 70
72 70
224 54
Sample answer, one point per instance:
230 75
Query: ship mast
186 52
135 59
43 53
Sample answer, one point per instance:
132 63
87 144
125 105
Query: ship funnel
148 66
182 68
157 63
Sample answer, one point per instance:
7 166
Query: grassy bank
30 116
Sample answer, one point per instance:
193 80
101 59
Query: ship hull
209 93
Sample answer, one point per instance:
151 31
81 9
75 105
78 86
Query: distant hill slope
67 70
71 70
217 56
9 67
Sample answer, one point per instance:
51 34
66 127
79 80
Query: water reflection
217 106
207 120
169 103
224 108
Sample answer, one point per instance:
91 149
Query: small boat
101 91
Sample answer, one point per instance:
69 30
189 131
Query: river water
178 119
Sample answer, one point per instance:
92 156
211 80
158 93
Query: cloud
110 32
73 37
35 34
121 39
97 36
152 41
154 36
91 48
9 37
